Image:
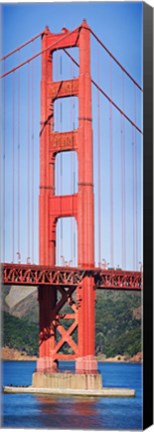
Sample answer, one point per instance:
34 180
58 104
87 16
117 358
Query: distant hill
118 321
20 302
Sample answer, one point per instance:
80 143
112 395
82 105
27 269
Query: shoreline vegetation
117 327
16 355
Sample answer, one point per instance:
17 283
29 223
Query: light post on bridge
19 257
104 264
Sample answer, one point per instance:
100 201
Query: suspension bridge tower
79 205
66 295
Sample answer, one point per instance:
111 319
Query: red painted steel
77 64
85 220
80 205
65 286
66 281
50 47
31 274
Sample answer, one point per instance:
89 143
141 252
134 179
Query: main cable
108 97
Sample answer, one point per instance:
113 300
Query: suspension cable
111 176
61 166
123 179
40 52
99 157
78 28
74 171
19 158
116 61
28 164
21 46
133 195
71 168
13 160
122 233
4 167
33 165
136 197
107 97
56 122
93 82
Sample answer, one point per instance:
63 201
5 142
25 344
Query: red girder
27 274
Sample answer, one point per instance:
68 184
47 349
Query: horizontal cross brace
63 141
60 89
63 205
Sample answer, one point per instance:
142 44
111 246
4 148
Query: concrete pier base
67 381
104 392
69 384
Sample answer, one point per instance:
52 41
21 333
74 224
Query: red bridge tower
79 205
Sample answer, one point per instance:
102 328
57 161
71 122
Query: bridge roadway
31 274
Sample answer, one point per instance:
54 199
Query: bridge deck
31 274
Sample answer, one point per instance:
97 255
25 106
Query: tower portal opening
63 66
66 242
65 114
66 173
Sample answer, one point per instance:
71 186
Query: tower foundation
72 381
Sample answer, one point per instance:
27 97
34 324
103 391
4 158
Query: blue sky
119 26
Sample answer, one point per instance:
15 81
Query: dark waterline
31 411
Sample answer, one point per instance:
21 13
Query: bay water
60 412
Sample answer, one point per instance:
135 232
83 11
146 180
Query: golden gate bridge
90 153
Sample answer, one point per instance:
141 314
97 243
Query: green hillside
118 323
20 334
118 326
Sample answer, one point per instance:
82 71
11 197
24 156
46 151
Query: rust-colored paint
32 274
53 207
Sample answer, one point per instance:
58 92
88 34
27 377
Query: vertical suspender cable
57 124
28 164
99 158
19 156
4 168
33 166
13 167
133 196
136 197
122 231
61 173
72 175
74 169
123 182
57 161
61 167
71 168
111 175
